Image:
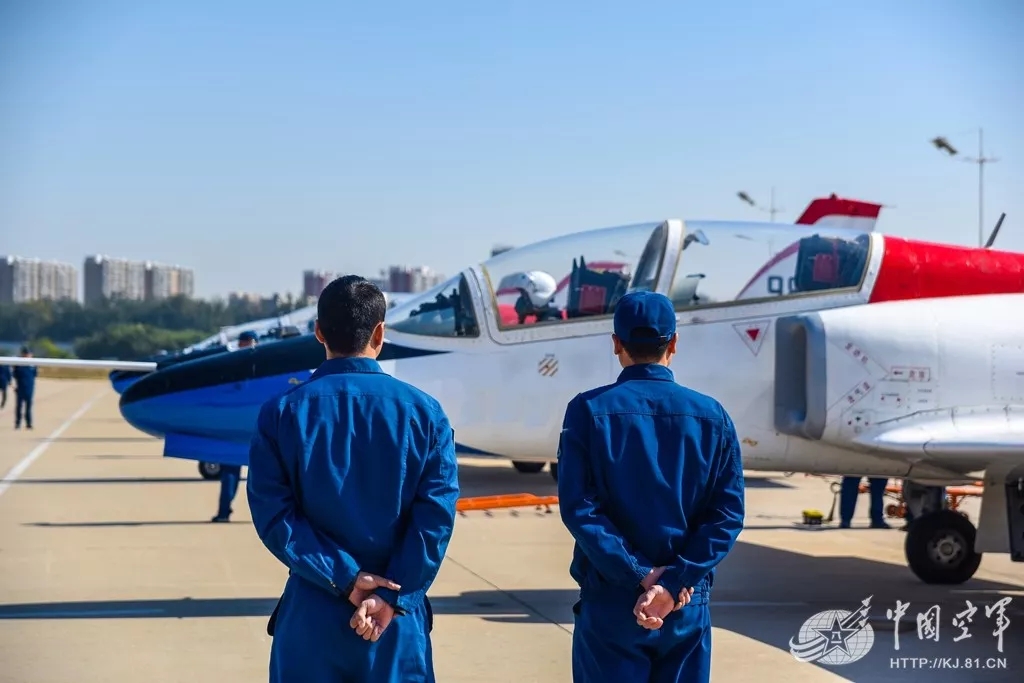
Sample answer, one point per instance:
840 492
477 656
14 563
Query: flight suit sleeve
580 508
279 522
422 548
721 523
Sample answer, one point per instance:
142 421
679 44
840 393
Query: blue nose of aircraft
218 396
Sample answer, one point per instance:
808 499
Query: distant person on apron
5 381
24 391
230 475
848 495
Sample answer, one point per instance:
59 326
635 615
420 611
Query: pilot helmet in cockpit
535 285
536 290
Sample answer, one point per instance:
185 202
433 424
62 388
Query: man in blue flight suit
650 485
5 380
848 493
353 478
230 475
25 377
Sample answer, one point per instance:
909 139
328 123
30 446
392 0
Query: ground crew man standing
850 490
230 475
25 377
5 380
650 485
352 485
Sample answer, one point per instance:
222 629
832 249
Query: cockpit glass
575 276
444 311
723 263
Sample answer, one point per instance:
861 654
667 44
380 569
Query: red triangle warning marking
753 333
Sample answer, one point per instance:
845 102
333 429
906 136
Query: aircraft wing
141 366
996 433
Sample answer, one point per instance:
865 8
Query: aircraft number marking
775 284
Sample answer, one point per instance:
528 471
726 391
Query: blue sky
252 140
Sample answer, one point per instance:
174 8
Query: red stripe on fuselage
927 270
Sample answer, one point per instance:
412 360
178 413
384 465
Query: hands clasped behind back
657 603
373 614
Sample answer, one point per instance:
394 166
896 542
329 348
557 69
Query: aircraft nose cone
122 379
143 404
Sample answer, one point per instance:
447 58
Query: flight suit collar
334 366
647 371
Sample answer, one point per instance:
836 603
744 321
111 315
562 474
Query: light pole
943 145
770 209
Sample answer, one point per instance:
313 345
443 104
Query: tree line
126 329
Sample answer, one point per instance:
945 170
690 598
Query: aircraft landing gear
940 548
554 471
209 470
527 467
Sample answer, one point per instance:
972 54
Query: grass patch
74 373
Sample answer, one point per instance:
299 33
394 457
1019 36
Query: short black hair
640 350
348 310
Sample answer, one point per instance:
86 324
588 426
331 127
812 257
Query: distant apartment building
31 279
117 278
163 282
405 279
314 281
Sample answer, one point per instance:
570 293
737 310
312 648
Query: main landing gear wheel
940 548
554 471
209 470
527 467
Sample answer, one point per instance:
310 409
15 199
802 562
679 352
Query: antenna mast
981 160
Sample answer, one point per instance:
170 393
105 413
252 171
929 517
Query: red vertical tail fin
836 212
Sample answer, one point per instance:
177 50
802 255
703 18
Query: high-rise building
117 278
27 279
113 278
163 282
314 281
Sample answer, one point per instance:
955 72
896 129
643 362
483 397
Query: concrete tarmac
111 572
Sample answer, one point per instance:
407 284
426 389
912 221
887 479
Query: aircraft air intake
800 376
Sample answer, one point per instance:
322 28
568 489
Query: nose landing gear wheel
209 470
940 548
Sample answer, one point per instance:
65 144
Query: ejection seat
829 263
593 292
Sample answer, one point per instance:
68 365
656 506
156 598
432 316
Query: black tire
940 548
209 470
527 467
554 471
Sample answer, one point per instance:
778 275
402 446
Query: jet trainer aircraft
835 349
299 321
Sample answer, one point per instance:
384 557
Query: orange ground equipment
954 496
508 500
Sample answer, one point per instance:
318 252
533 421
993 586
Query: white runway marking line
15 472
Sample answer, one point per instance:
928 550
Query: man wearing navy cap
650 485
230 475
